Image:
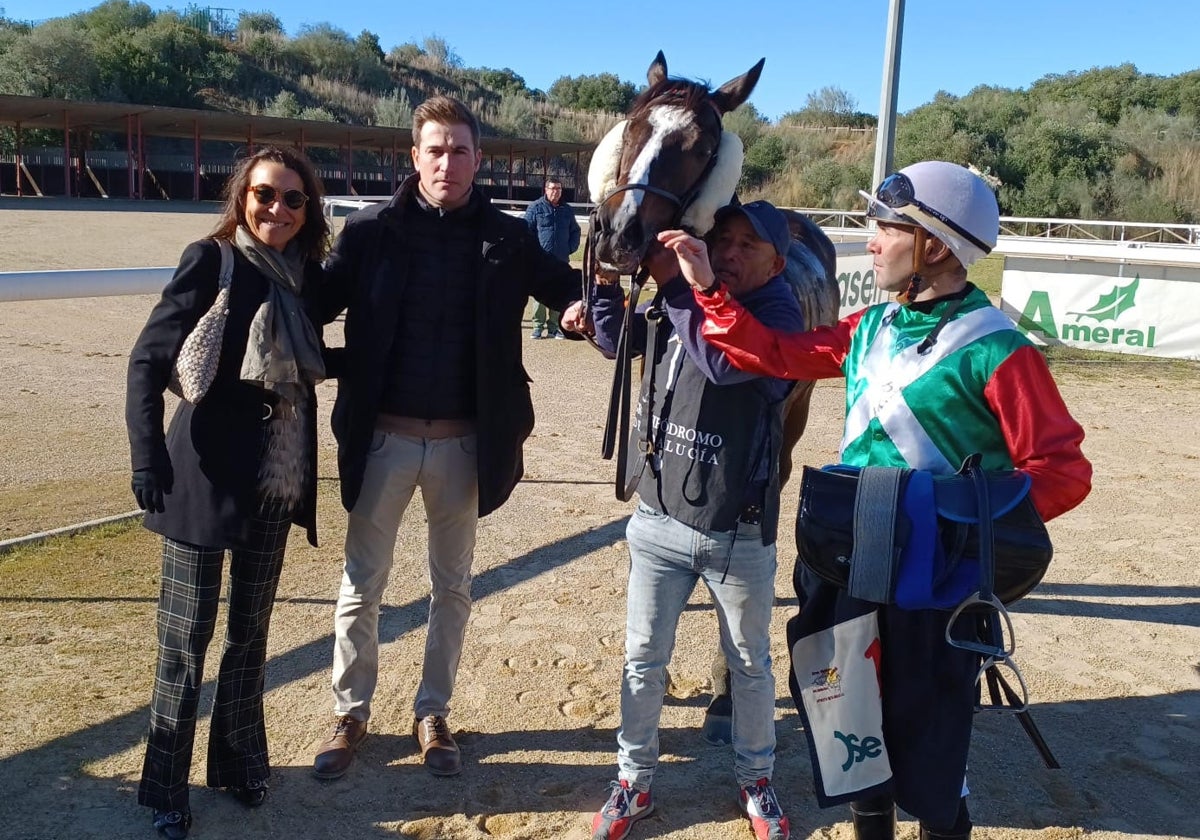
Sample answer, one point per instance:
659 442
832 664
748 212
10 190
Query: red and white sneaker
624 807
760 806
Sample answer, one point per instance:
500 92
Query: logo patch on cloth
842 707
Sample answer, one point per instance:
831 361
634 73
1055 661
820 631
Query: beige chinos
445 470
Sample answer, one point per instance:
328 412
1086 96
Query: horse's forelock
681 93
670 96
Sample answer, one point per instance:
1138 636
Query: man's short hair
552 180
444 110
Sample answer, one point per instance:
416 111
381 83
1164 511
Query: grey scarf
283 353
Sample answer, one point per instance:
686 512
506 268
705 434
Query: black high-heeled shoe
173 825
252 794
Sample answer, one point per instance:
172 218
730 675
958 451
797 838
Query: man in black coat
431 394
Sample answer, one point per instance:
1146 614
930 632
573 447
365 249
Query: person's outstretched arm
751 346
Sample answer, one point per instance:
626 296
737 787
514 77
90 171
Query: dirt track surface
1109 643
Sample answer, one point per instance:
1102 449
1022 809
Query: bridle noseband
681 202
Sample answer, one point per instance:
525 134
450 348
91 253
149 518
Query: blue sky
951 45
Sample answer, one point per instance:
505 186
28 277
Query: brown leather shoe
441 754
335 754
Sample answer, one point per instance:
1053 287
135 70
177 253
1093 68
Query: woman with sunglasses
931 379
232 473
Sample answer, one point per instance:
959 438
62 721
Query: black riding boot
961 830
874 819
718 717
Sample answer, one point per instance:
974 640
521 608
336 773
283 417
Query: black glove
149 488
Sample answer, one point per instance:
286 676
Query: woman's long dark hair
313 238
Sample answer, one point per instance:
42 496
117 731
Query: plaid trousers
187 613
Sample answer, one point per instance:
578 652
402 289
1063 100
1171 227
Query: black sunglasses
896 191
265 194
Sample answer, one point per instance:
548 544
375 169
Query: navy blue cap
766 219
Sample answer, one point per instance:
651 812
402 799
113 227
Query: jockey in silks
930 379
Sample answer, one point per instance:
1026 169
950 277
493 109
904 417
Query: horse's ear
736 91
658 70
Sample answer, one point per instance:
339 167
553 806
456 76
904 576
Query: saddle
907 537
969 543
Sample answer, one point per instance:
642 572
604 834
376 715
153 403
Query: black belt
751 515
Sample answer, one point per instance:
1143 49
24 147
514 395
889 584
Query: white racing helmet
950 201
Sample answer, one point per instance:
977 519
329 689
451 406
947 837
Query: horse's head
668 164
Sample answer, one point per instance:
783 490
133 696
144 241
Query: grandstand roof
160 121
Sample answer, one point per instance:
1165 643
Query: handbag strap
225 277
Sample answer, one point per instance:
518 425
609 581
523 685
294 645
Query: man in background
554 225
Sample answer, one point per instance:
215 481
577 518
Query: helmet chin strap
918 264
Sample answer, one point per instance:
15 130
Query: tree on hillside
366 46
394 110
165 63
763 159
328 51
1106 90
603 92
829 106
53 60
261 23
283 105
440 52
503 81
113 17
746 122
404 55
935 132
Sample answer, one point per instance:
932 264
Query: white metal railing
848 221
1085 230
511 206
1054 238
85 282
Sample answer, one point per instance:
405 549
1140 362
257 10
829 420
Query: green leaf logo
1109 306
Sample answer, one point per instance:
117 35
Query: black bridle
616 427
681 202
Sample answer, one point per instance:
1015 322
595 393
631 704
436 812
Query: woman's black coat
212 449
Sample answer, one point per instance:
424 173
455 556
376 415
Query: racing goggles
266 195
896 191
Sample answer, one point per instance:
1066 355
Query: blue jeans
666 559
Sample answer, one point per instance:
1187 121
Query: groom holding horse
706 443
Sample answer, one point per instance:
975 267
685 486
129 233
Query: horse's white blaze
664 120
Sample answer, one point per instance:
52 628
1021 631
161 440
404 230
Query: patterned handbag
196 365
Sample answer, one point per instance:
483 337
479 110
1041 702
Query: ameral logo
1038 316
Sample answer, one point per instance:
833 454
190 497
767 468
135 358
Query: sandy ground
1109 643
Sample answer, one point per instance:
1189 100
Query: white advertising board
1139 308
856 279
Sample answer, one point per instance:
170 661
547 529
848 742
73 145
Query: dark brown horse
670 164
